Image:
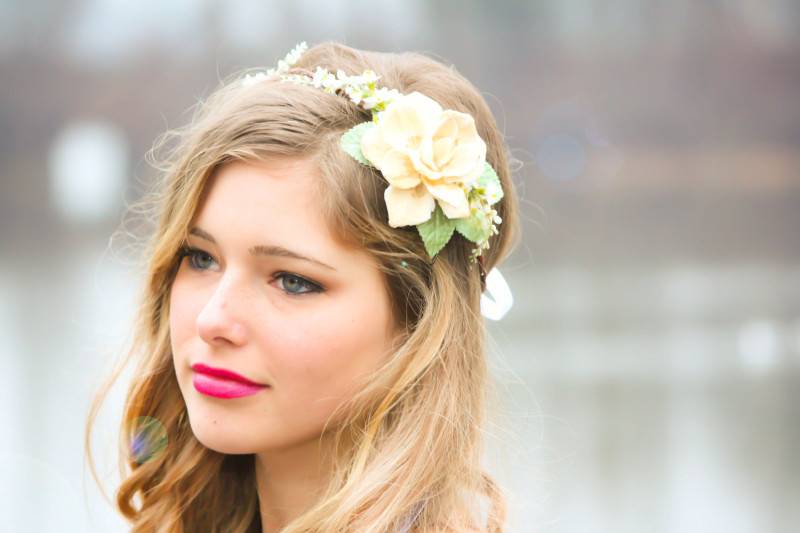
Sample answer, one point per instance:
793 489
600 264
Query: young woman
310 339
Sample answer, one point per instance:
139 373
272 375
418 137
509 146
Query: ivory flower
427 155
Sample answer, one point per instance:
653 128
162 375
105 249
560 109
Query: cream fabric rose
427 155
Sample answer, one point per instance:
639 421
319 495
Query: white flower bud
370 102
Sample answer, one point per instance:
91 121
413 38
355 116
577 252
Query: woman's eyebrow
264 249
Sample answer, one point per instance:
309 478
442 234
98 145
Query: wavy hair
408 446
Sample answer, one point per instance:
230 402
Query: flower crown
433 158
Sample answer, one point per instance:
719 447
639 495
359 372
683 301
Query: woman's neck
290 481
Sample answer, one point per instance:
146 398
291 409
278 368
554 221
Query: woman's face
242 303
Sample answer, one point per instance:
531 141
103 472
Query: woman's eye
291 282
195 254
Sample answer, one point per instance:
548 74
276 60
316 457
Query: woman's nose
219 322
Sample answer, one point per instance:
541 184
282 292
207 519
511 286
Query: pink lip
222 383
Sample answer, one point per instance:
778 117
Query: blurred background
649 370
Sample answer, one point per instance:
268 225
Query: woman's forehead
274 203
273 190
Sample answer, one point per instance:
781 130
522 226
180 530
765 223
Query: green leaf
351 141
476 227
489 181
436 231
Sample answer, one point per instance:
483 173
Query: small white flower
319 76
369 76
294 55
331 83
370 102
387 95
353 93
251 79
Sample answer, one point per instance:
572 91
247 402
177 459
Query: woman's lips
223 388
222 383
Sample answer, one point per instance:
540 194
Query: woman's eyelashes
193 254
283 276
289 281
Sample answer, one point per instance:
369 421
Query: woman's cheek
185 306
315 357
297 353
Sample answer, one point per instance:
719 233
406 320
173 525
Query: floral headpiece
433 158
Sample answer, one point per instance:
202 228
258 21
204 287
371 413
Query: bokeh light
149 439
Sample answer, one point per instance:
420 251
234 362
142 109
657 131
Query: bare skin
289 483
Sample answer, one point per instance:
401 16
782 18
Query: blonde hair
414 434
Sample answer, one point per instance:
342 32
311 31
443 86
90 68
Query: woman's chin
217 437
